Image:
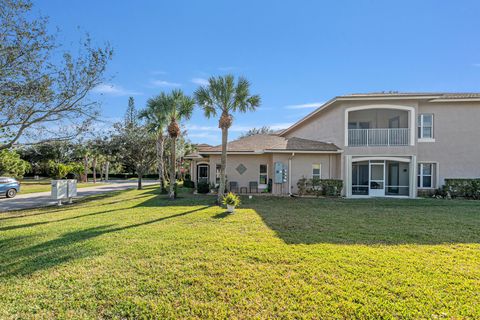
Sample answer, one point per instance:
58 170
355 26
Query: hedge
463 188
320 187
188 184
203 187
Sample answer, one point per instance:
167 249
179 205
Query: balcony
379 137
379 127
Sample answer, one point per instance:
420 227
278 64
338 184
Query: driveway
43 199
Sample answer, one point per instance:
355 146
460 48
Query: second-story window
425 126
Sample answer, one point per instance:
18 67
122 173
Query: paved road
43 199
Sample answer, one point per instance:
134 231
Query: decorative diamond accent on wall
241 169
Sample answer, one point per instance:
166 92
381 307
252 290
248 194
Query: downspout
290 173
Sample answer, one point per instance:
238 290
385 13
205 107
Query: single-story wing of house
260 162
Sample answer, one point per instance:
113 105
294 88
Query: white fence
378 137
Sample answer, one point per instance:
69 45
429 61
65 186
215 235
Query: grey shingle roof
437 95
270 142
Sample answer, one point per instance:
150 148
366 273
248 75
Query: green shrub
58 170
302 186
188 184
203 187
12 165
463 188
320 187
231 199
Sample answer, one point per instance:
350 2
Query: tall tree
176 107
223 96
136 145
255 131
157 121
131 115
39 89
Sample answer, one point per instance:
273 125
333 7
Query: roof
269 143
429 96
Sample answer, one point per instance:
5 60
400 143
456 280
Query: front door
202 173
377 179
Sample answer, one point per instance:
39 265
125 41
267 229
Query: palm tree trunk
85 168
94 165
107 167
223 165
160 141
172 170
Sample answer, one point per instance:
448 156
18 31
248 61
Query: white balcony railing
378 137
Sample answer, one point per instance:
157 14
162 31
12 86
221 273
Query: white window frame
319 169
262 174
432 175
420 126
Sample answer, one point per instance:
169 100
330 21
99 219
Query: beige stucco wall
301 167
251 162
457 139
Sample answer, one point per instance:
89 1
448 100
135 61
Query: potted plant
231 200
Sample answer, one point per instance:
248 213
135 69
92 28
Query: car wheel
11 193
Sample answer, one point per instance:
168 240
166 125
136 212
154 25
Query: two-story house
380 144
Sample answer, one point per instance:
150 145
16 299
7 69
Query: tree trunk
139 183
160 141
107 167
223 165
172 170
85 168
94 165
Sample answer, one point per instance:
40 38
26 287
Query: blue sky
296 54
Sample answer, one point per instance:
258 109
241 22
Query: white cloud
200 81
305 105
114 90
163 83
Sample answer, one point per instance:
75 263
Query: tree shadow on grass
370 222
221 215
19 259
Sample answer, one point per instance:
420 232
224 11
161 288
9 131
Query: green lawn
136 254
32 186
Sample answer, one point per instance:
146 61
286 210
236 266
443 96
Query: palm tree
157 122
176 107
223 96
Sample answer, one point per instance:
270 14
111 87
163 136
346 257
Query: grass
43 185
135 254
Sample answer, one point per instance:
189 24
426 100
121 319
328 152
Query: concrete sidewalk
43 199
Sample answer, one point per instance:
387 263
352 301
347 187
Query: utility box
279 169
64 189
59 189
281 172
72 188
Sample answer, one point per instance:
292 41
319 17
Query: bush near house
320 187
203 187
188 184
462 188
